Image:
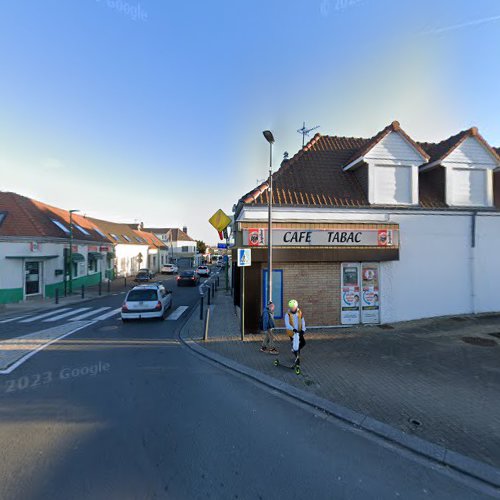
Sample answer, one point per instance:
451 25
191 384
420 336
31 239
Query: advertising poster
370 309
350 294
256 237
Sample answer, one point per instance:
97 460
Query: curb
437 453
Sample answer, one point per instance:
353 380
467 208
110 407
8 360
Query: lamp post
71 212
270 139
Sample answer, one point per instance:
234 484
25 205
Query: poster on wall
370 309
350 294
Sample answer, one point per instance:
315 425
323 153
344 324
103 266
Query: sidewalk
116 286
419 377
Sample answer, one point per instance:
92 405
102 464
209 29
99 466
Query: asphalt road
128 412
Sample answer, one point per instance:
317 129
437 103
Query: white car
203 271
169 269
146 301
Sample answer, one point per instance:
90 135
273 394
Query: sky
153 111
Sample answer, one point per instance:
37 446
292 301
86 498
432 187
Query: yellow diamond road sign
219 220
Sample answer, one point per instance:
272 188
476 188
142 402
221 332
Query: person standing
295 328
267 325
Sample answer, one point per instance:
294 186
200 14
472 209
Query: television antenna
304 131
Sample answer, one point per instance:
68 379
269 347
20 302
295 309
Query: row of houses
376 230
35 243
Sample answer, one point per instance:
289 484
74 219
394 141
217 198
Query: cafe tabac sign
324 237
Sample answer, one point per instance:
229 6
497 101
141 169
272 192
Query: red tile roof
439 151
154 241
315 175
175 233
393 127
32 218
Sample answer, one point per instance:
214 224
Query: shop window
277 291
92 265
185 249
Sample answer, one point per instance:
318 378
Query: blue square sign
244 257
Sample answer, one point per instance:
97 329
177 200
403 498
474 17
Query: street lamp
71 212
270 139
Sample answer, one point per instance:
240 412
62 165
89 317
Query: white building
376 230
34 250
181 247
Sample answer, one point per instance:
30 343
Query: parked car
146 270
188 278
146 301
142 277
203 271
169 269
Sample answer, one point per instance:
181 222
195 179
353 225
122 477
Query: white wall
486 260
432 277
473 152
393 171
437 266
126 258
12 271
396 148
469 175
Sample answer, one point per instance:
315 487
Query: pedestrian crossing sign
244 257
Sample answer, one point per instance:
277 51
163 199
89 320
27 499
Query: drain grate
386 327
415 422
479 341
496 334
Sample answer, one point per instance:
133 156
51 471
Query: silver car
146 301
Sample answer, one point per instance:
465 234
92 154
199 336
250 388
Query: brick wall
316 286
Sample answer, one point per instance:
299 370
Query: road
127 411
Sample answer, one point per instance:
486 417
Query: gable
471 151
395 148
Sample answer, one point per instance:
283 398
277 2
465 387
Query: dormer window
467 162
392 184
468 187
387 167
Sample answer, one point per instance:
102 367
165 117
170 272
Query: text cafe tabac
324 237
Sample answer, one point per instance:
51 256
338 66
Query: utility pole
70 253
270 139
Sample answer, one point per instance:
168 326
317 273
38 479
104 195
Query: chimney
185 229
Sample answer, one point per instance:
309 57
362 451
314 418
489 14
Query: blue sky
153 110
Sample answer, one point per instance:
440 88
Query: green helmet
292 304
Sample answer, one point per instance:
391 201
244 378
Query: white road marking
177 313
66 314
90 313
12 319
41 316
108 314
24 358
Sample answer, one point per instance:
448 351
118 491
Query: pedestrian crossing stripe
90 313
79 314
177 313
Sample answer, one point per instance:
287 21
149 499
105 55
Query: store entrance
360 293
32 278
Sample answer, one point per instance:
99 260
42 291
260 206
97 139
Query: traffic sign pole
243 305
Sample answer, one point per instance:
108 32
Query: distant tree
201 246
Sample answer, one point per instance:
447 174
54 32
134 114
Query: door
32 278
350 310
370 309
